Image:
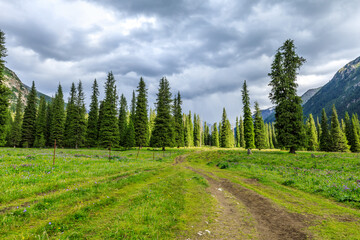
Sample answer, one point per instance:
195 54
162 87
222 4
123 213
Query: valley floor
179 194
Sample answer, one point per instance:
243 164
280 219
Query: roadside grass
302 183
134 195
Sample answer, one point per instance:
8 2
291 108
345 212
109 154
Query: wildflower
346 188
49 223
24 210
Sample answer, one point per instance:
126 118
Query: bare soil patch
272 222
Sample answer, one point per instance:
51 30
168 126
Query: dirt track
271 221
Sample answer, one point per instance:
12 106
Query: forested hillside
343 90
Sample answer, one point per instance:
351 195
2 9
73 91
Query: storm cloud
205 48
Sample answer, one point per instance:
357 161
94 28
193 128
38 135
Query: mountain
309 94
343 90
269 113
15 85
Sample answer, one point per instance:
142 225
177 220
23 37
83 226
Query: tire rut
272 222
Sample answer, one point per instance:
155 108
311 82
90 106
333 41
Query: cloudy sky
206 49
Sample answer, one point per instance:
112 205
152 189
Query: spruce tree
241 133
259 129
226 136
4 91
187 137
71 118
267 140
141 118
58 119
355 144
123 120
215 136
196 130
325 141
312 143
29 119
92 124
100 119
338 139
80 130
163 133
190 130
41 124
109 131
237 133
49 115
130 135
349 130
15 132
152 116
288 109
133 107
248 122
318 130
178 121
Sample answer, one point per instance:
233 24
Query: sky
206 49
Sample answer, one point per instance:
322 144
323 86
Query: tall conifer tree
49 115
133 107
237 133
338 139
259 129
178 120
312 143
41 124
226 136
196 130
29 119
123 120
325 141
241 132
80 130
152 116
109 130
92 125
288 109
58 119
71 118
215 136
248 121
163 133
141 118
130 135
355 144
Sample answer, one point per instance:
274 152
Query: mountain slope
343 90
15 85
269 113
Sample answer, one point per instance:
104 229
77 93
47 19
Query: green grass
311 186
86 195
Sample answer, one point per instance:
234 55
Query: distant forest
111 122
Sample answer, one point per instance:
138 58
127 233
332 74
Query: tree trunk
292 150
163 148
249 151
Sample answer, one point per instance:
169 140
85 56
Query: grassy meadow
86 195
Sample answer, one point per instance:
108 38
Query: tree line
111 122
